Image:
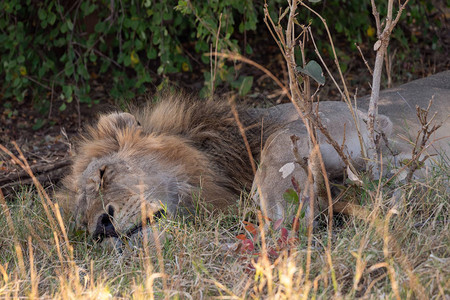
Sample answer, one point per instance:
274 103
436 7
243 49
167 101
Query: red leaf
241 237
250 228
296 185
247 246
278 223
249 268
283 239
272 253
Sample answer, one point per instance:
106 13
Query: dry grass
398 248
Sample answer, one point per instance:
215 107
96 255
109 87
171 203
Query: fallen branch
44 173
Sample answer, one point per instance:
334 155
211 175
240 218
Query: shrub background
54 49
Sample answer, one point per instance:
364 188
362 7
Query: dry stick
297 97
264 258
345 96
33 277
147 263
214 70
303 118
7 213
376 15
381 48
364 59
388 69
316 171
42 172
336 60
323 130
315 120
336 146
372 283
242 132
411 161
299 111
425 131
279 36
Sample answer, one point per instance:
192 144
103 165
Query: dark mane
210 126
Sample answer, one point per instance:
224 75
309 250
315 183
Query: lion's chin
137 238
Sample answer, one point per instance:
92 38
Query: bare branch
364 59
381 48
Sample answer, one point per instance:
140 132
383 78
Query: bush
55 49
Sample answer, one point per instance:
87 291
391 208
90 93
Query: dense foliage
52 51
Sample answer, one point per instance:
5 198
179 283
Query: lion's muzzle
105 227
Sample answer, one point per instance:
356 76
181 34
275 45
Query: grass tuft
396 247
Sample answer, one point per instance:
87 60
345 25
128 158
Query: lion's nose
105 227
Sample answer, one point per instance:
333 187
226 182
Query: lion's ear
102 172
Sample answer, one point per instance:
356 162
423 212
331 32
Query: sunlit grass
397 247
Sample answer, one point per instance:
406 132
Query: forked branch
380 47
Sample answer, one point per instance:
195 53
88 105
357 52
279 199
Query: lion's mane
198 142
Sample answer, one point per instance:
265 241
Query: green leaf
63 28
248 49
67 90
38 124
51 18
62 107
16 82
42 14
313 70
69 25
291 196
246 85
69 68
82 71
100 27
151 54
314 1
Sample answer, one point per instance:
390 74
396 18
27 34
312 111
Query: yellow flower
370 31
134 58
23 71
185 67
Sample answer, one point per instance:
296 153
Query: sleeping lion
169 158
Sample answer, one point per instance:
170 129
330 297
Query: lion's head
125 175
114 196
118 179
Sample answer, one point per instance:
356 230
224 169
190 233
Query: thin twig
364 59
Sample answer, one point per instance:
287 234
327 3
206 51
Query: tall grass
397 246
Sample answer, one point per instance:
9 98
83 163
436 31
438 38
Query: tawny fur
195 144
